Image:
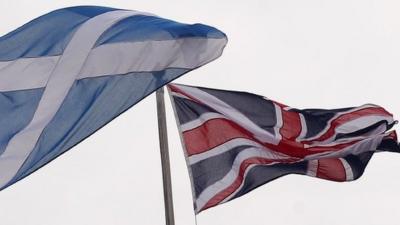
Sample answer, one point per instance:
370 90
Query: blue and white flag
66 74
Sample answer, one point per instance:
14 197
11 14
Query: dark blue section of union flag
188 110
260 175
207 172
316 119
248 104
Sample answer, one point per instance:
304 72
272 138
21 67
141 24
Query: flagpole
165 165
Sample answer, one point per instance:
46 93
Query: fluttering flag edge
157 86
389 133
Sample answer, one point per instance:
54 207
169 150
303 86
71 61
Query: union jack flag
235 142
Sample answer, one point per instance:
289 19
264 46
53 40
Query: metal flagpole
165 165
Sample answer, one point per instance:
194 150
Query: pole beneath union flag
165 165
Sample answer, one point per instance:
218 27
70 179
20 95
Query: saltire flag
66 74
236 141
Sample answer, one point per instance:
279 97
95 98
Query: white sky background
308 53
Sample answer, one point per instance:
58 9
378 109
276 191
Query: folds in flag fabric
68 73
235 141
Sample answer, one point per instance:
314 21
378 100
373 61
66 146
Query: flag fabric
236 141
66 74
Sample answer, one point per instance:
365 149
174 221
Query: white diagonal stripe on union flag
201 120
378 130
227 146
362 122
303 124
366 145
231 113
330 126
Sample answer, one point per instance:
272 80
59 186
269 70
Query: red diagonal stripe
213 133
175 89
218 131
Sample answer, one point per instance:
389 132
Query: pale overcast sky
305 53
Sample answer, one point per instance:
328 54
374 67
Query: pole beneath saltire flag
165 165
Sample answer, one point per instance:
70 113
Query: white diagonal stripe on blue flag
28 73
60 81
114 59
122 58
